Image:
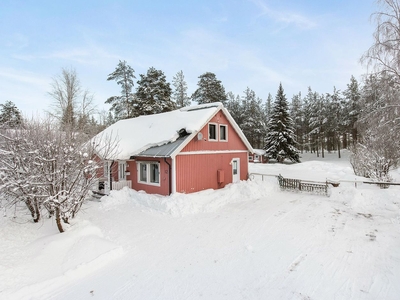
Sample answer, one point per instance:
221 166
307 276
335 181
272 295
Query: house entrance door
235 170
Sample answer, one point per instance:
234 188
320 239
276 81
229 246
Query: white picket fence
119 185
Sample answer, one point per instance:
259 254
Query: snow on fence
303 185
334 183
253 176
119 185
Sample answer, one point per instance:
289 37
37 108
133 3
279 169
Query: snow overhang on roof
259 151
135 136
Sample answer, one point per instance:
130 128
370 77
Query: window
149 172
154 173
106 169
143 172
235 167
121 170
212 132
223 132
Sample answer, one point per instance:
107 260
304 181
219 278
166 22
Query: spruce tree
280 141
10 116
209 90
153 94
180 92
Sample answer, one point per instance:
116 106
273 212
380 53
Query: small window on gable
223 132
212 132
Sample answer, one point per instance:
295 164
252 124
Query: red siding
163 189
199 172
234 142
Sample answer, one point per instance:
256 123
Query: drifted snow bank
179 205
41 259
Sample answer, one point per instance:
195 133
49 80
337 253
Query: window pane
121 169
154 173
235 167
143 172
222 133
212 134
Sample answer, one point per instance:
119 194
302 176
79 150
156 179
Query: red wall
234 142
163 189
198 172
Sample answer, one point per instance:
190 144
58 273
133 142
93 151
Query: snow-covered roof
139 134
259 151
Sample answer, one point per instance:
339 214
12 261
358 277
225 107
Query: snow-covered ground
247 241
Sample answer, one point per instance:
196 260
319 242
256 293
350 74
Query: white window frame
106 169
121 170
216 132
148 172
226 132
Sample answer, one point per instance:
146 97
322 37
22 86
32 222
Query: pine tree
317 121
209 90
253 120
280 142
153 94
352 96
122 105
233 105
335 124
309 139
10 115
180 93
296 114
268 108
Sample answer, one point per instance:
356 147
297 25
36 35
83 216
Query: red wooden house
258 156
186 150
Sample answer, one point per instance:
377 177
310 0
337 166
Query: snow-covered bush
47 169
368 163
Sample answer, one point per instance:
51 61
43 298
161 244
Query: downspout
170 175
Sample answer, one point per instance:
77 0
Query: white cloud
286 18
23 77
18 41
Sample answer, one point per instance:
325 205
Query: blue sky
246 43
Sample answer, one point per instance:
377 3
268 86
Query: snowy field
247 241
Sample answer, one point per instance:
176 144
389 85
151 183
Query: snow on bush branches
47 169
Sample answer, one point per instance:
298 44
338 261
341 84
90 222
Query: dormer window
212 132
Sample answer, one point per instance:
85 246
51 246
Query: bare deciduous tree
72 106
384 54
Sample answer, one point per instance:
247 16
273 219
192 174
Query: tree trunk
37 211
30 207
58 220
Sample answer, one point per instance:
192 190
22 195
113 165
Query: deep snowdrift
247 241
